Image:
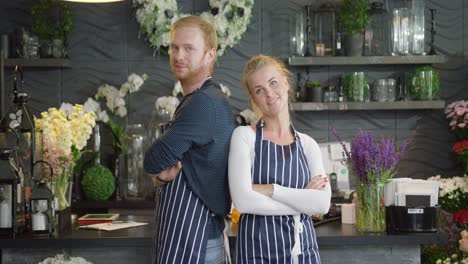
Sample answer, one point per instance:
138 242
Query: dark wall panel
106 46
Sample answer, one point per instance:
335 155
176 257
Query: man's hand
317 183
168 174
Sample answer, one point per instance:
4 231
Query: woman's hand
317 183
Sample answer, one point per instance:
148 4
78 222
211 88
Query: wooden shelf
365 60
42 63
345 106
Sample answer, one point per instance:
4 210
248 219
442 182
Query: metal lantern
41 206
19 118
324 29
11 201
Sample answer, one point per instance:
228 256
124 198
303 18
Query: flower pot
370 209
353 44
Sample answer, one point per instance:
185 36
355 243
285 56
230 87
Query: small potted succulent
314 91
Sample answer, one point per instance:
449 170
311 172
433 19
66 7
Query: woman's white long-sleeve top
285 200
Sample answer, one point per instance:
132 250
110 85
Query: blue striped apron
181 232
270 239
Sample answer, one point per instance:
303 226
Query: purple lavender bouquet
372 161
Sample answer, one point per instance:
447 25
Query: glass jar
330 94
378 31
32 47
298 34
356 87
417 27
380 91
134 181
324 28
404 31
391 90
159 121
423 83
58 48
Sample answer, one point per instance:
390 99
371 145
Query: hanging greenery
51 19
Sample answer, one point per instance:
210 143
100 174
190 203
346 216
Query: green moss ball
98 183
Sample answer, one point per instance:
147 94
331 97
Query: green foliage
312 84
118 137
419 87
454 201
98 183
352 88
51 19
353 16
431 253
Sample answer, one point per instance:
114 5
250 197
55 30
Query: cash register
411 205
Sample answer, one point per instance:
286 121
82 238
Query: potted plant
52 23
353 22
314 91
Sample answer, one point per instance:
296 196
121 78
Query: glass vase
370 209
417 27
377 33
62 190
356 87
159 120
298 34
134 181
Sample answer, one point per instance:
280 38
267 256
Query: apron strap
296 250
227 251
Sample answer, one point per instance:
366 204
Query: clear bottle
330 95
339 51
134 181
340 91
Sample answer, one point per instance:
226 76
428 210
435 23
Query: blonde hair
260 61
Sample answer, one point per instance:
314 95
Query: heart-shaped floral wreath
229 17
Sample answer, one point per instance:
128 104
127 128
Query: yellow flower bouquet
65 132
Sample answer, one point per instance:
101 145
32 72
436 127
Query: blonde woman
276 177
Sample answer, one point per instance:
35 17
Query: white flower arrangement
178 89
449 185
115 98
248 116
168 103
229 17
64 259
453 259
225 90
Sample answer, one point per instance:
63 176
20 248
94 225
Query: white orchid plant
116 103
177 90
168 103
246 117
